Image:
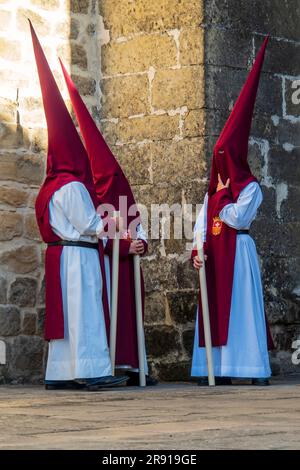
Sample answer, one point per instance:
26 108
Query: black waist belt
242 232
71 243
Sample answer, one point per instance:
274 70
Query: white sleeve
141 234
239 215
76 204
201 222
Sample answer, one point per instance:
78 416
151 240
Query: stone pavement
170 416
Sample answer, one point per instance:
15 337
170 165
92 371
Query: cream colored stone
10 49
12 136
11 225
125 96
194 123
25 168
161 127
192 46
135 161
178 162
5 20
8 111
124 17
46 4
176 88
138 54
41 25
13 196
20 260
31 229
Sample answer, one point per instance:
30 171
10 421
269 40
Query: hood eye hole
221 151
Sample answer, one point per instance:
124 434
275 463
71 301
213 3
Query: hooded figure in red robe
230 180
68 170
113 188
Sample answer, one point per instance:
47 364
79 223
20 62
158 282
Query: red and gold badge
217 226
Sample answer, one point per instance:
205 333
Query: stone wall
159 77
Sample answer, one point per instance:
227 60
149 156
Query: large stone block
13 196
23 292
5 20
188 341
40 321
174 371
25 358
20 260
139 54
29 323
155 308
41 25
172 89
24 168
46 4
281 56
258 16
78 56
3 290
280 164
227 48
10 321
191 46
85 85
8 110
31 229
124 17
194 123
135 161
9 49
182 306
11 225
12 136
79 6
125 96
178 162
161 340
160 274
162 127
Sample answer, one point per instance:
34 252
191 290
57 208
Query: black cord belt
71 243
242 232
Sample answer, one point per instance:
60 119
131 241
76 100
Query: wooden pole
205 313
114 298
139 319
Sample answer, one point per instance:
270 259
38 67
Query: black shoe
203 381
260 382
63 385
105 382
134 380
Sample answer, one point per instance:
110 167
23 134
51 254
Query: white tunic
246 353
83 353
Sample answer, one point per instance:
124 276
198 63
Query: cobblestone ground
170 416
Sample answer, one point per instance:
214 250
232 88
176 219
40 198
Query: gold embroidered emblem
217 226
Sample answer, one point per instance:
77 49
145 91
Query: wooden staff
139 319
114 298
205 312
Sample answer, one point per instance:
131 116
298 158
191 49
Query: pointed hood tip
67 153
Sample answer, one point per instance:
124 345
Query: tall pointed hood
109 178
231 149
66 159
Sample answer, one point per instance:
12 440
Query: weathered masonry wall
160 78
